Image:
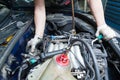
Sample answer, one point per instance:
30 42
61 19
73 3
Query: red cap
62 60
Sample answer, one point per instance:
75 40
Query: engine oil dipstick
73 19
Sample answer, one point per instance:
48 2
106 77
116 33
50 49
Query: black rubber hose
106 64
19 74
106 71
93 72
51 54
89 66
92 55
115 45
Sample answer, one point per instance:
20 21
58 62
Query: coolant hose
115 45
51 54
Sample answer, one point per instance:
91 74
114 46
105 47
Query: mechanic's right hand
108 33
33 42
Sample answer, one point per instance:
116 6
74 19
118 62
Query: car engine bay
62 55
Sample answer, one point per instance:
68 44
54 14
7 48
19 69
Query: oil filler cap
62 60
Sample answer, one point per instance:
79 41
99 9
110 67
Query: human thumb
97 33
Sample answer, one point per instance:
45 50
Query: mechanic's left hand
33 42
108 33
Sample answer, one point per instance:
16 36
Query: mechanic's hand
33 42
108 33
